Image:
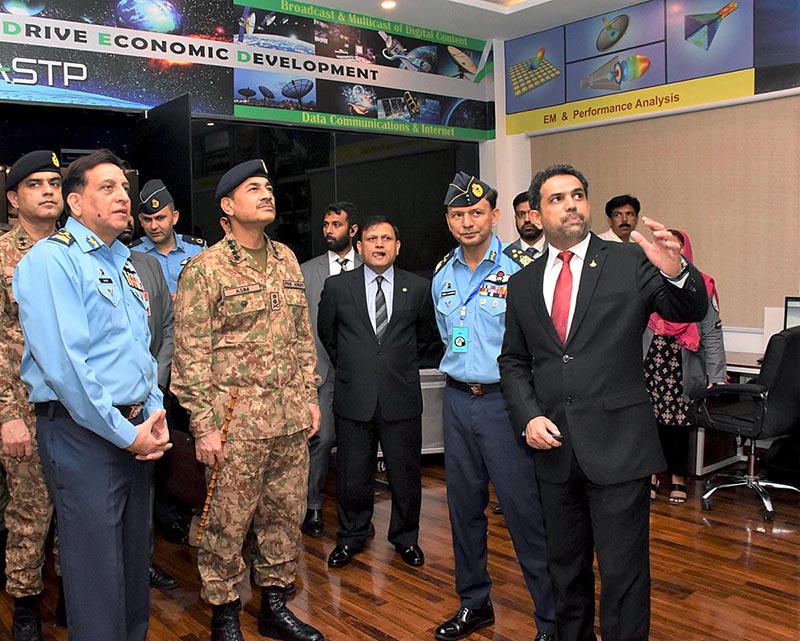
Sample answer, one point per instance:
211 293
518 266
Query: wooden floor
723 575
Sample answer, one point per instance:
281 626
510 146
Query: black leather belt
476 389
55 409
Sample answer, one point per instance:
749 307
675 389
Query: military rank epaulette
518 256
234 247
192 240
135 243
62 236
272 245
444 261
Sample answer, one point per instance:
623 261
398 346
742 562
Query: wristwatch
682 273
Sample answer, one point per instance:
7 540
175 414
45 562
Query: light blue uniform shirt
83 312
484 315
173 263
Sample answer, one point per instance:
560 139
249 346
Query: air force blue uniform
173 263
479 441
83 312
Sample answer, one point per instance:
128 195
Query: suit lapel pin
405 289
593 263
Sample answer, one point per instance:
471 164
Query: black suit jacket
593 387
365 370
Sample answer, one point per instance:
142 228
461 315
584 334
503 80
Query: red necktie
562 296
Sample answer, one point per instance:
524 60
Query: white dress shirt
333 262
552 269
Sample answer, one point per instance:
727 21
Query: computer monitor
791 312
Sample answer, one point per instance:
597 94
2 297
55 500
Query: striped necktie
381 313
342 264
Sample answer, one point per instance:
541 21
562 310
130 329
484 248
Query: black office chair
765 409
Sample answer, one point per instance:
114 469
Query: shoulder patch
62 236
518 256
444 260
192 240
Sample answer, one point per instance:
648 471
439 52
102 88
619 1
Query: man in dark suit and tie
339 226
572 375
531 238
376 322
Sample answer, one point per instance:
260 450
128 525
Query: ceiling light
388 4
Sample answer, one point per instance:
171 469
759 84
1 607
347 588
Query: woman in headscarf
681 359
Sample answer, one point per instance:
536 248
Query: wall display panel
404 178
657 57
266 60
707 173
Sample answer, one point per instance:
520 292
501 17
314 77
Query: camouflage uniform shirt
13 395
237 325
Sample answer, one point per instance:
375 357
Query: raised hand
664 251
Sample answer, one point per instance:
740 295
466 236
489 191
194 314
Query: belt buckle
476 389
135 411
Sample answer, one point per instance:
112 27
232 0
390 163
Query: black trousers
675 443
103 500
357 458
580 518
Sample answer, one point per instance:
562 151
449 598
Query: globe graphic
423 58
161 16
24 7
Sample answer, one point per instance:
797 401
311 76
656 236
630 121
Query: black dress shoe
342 555
412 554
161 580
543 636
312 524
465 622
175 532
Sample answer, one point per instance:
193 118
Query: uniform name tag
459 343
242 289
294 284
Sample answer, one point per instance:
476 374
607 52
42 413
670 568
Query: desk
743 363
714 450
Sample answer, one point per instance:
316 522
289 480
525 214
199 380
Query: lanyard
464 303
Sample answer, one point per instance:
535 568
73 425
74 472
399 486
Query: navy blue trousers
102 497
480 445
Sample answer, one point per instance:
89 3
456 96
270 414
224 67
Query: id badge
459 343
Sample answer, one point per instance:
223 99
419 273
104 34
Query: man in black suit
376 322
339 225
572 375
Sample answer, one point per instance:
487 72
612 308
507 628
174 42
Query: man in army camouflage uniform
241 321
34 186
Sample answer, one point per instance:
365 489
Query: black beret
465 190
41 160
154 197
236 176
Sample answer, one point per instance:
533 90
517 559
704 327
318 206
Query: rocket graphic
613 73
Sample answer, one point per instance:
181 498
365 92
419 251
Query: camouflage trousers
3 499
27 519
264 482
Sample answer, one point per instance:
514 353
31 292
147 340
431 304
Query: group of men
530 404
